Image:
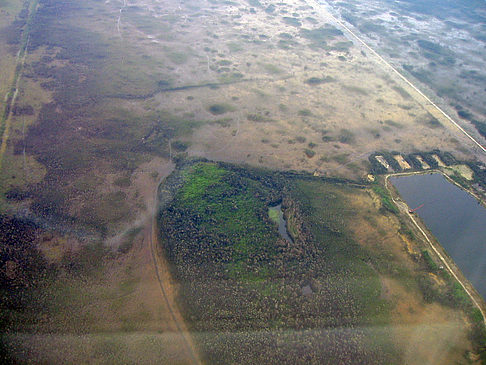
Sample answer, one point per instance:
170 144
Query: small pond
454 217
277 216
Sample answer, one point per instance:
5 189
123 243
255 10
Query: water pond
277 216
456 219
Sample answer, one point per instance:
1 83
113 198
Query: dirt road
166 283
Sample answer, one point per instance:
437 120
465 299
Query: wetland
246 126
455 218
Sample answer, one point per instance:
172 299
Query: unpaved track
21 55
8 117
165 281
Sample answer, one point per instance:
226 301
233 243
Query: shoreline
434 244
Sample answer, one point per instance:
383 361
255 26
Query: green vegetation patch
274 214
220 108
309 153
238 276
346 136
271 69
226 212
403 93
430 121
235 46
319 80
385 197
480 126
320 37
321 34
177 57
436 52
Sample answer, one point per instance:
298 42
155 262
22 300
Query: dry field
289 87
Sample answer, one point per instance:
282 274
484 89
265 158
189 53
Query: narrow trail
401 76
8 117
159 262
403 207
164 279
118 21
21 56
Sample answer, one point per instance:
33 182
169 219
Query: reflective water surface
454 217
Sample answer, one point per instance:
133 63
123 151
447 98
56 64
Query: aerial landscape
242 182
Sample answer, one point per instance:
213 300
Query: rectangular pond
455 218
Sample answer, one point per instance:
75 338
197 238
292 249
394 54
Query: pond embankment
454 217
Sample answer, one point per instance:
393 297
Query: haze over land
106 99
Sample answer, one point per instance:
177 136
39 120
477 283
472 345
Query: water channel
455 218
277 216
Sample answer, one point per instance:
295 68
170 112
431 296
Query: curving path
164 279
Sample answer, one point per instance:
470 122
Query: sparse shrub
123 181
346 136
480 126
270 9
271 69
392 123
429 262
318 81
309 153
292 21
254 117
129 239
321 34
179 58
235 46
304 113
220 108
224 62
356 89
341 158
180 146
403 93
